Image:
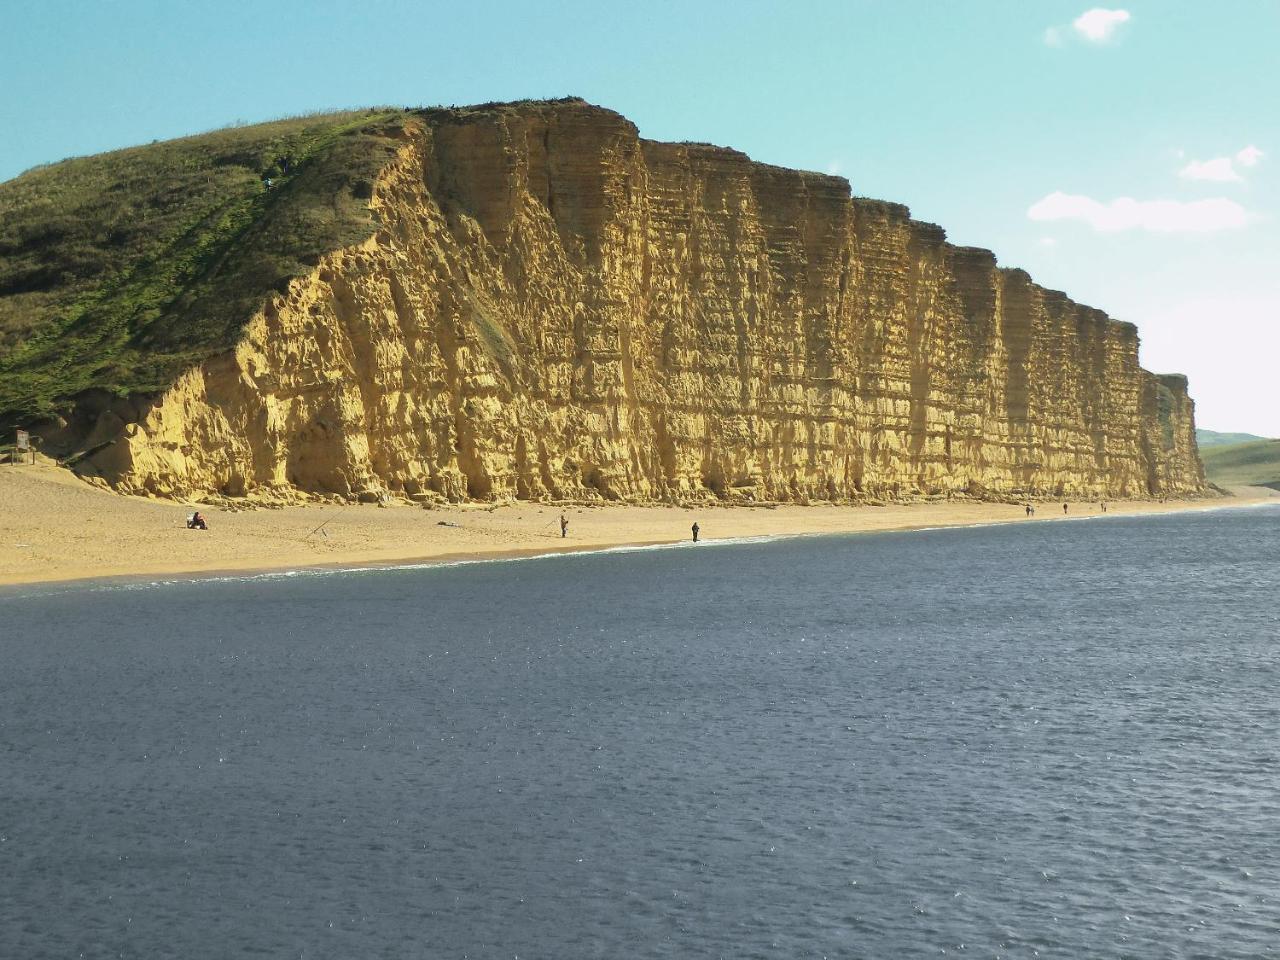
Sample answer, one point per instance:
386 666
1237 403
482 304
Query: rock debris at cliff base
551 307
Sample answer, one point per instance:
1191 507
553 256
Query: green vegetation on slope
119 271
1212 438
1256 463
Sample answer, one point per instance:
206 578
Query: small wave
115 585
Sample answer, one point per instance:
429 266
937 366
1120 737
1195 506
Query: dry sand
55 527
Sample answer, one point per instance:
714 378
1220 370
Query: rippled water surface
1054 740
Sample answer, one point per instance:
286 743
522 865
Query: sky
1127 154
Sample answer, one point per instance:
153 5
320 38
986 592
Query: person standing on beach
1028 509
1064 508
696 528
564 526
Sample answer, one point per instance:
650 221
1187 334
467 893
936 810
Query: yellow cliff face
554 307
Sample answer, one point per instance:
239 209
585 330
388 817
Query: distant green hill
1256 463
119 271
1212 438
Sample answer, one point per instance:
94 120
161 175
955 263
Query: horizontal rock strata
553 307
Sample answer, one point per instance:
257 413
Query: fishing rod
322 525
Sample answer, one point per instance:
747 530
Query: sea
1056 740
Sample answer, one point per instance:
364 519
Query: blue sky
1128 154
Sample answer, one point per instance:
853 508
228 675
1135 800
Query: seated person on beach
196 522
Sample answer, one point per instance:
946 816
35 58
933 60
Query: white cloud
1048 242
1099 25
1222 169
1219 169
1156 216
1249 156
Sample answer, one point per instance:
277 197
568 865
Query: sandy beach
55 527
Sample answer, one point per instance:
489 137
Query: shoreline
59 530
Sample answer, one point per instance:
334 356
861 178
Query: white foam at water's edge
105 586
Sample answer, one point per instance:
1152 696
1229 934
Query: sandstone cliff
551 306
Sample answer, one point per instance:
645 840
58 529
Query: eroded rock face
554 307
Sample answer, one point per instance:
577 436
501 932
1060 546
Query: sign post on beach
23 445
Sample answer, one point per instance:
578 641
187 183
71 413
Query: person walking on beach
1064 508
564 526
1028 509
696 528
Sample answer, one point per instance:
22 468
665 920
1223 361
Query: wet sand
54 527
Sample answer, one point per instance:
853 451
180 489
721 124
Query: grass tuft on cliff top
119 271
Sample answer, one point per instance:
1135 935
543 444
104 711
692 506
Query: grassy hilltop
119 271
1256 464
1212 438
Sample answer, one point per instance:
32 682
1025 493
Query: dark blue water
1053 740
